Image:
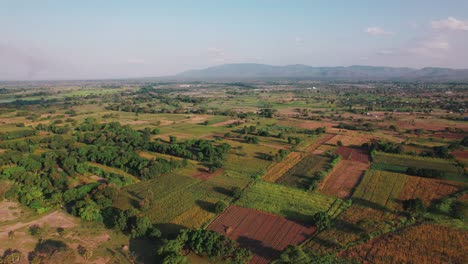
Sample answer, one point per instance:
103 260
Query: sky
125 39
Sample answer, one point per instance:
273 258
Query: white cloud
377 31
450 23
432 48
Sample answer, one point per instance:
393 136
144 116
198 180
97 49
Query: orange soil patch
264 233
227 122
9 211
429 190
205 175
461 154
341 181
424 243
353 154
277 170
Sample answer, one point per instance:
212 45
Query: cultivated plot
263 233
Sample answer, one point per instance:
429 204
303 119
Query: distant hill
251 71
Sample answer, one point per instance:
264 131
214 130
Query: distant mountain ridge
251 71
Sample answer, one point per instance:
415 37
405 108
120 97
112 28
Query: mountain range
252 71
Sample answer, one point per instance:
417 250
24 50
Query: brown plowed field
353 154
417 244
429 190
265 234
341 181
461 154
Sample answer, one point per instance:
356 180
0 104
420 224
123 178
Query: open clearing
415 244
344 177
263 233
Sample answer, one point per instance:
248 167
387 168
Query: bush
321 220
460 210
414 206
219 207
36 230
236 192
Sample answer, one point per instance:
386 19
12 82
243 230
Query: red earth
265 234
353 154
461 154
340 182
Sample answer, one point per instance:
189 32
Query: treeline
398 148
17 134
196 149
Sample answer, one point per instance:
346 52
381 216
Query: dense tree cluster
203 242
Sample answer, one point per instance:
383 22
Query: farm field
352 154
351 139
343 178
416 244
264 233
400 163
279 169
429 190
351 226
301 174
285 201
381 188
124 166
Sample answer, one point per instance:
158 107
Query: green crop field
301 174
380 188
400 163
286 201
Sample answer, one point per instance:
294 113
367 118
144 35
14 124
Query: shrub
219 207
321 220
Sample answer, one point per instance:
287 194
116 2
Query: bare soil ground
264 233
341 181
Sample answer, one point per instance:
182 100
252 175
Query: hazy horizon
119 39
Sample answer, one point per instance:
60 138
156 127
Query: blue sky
119 39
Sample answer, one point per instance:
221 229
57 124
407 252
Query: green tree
321 220
219 207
